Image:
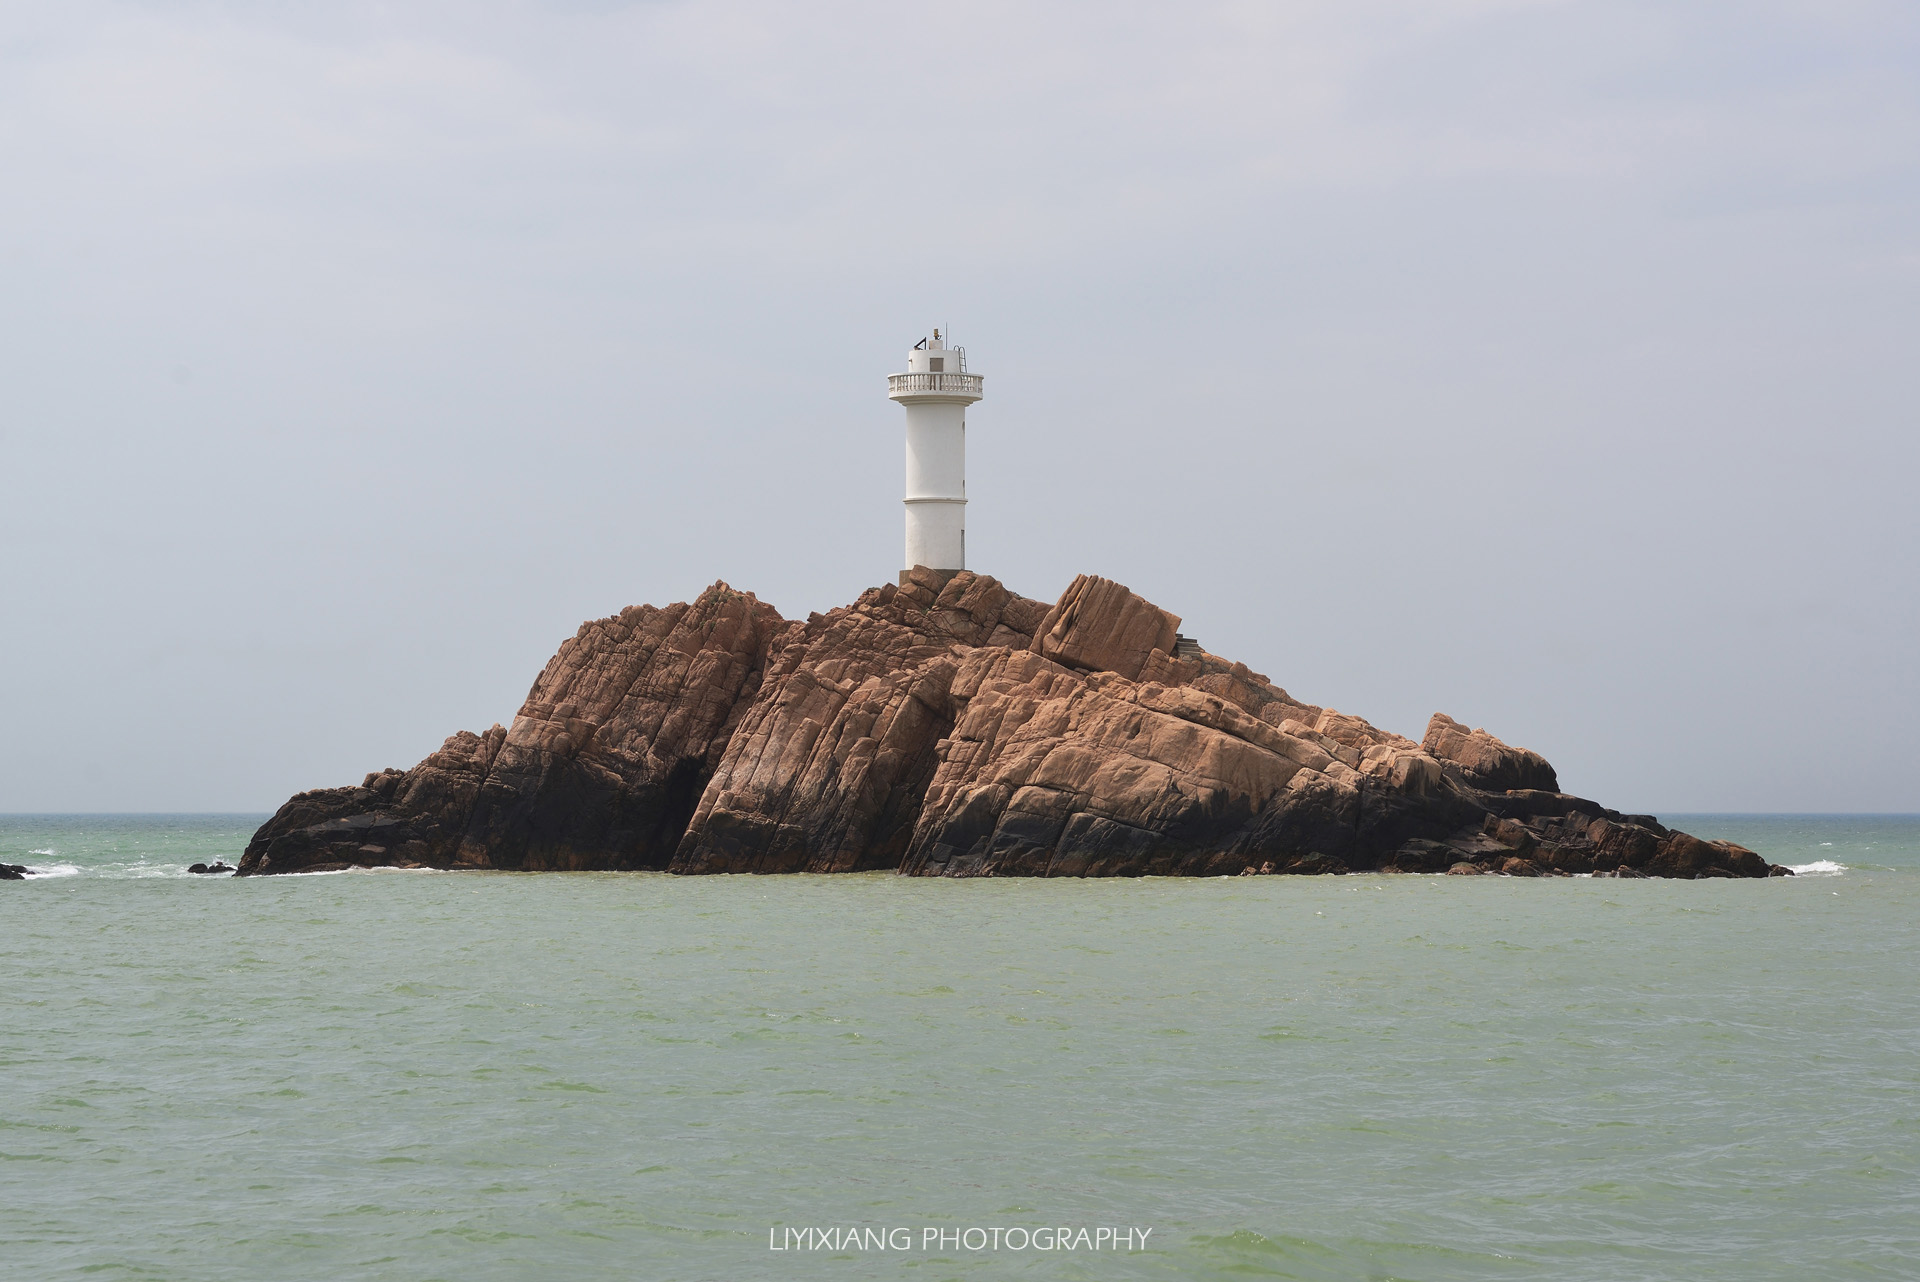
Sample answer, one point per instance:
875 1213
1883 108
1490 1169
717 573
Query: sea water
398 1075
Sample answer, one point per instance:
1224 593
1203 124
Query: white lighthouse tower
936 389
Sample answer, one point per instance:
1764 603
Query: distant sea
410 1076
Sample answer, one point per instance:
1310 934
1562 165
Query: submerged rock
206 869
15 872
946 726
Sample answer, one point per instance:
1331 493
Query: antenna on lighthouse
936 391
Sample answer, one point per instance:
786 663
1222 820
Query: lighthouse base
932 580
936 529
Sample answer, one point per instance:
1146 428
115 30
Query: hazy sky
1552 365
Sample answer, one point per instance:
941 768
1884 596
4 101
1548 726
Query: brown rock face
828 767
601 769
947 726
1483 761
1099 626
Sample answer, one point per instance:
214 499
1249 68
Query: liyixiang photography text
931 1239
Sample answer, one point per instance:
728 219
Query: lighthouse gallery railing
953 384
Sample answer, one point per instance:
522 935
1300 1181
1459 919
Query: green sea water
595 1076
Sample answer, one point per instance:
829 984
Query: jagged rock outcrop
947 726
1099 626
828 767
602 767
1482 761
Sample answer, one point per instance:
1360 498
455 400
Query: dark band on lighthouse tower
936 390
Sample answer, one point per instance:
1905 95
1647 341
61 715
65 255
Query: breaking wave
1818 868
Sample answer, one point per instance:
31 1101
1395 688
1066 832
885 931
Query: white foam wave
40 852
52 870
1818 868
143 869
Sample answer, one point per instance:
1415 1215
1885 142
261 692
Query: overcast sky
1552 365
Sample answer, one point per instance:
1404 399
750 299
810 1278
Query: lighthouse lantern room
936 390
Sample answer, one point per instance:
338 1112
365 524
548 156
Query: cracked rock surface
946 726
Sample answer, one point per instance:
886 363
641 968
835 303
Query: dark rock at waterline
15 872
208 869
946 726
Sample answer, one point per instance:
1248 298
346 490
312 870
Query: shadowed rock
949 727
1483 761
602 767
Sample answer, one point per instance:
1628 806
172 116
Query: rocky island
946 726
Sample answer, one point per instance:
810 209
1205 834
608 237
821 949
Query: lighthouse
936 390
